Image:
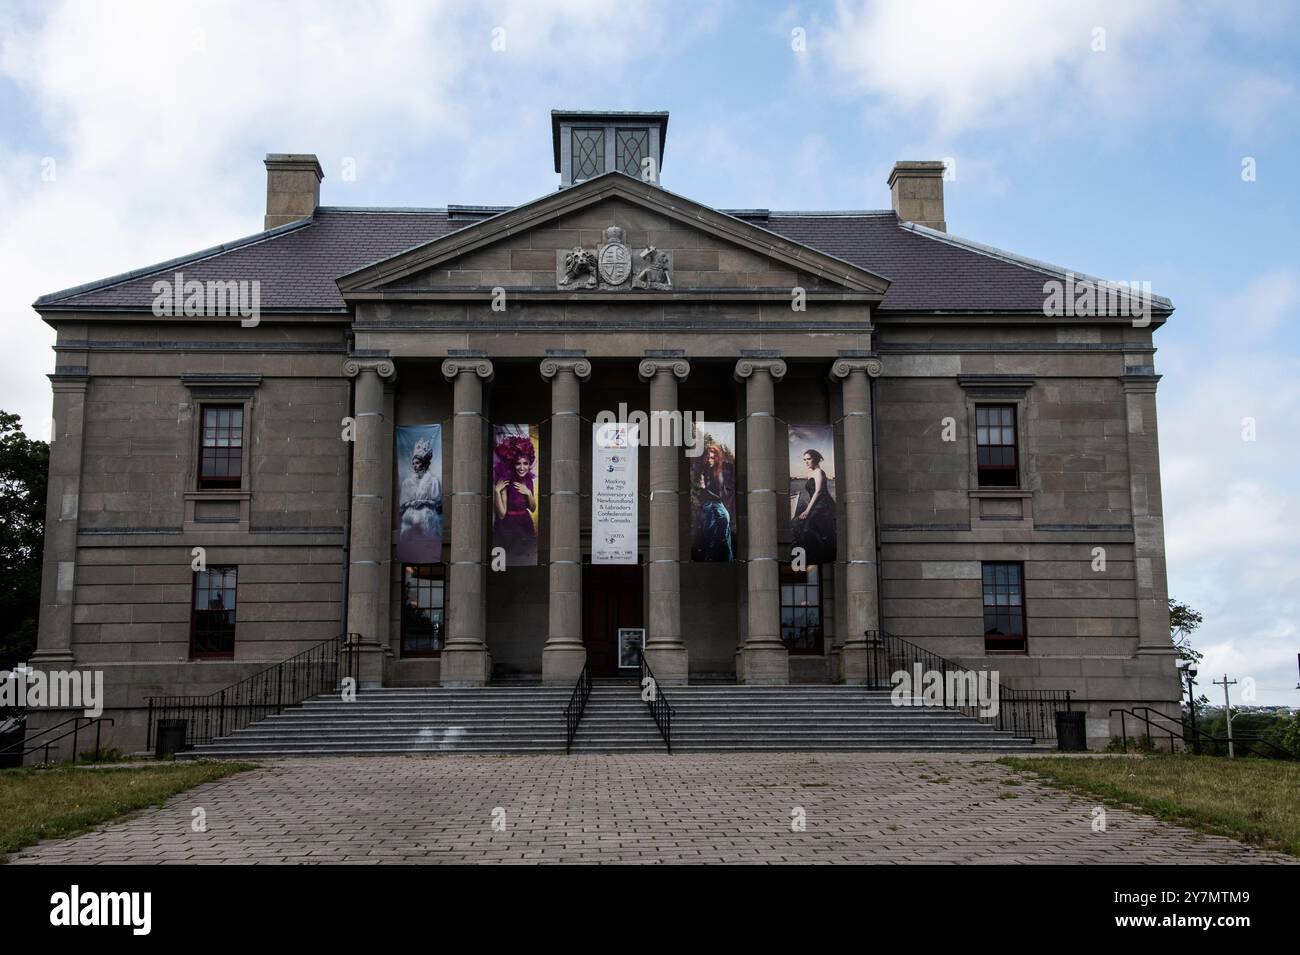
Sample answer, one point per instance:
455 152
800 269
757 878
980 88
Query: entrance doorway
611 598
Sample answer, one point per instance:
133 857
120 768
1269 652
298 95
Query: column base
764 665
467 667
562 663
371 657
670 664
864 664
49 659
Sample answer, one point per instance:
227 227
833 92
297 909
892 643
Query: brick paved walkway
858 808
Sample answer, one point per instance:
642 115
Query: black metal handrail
1246 741
288 683
23 750
577 706
660 711
1024 713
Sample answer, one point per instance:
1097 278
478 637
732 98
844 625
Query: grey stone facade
417 337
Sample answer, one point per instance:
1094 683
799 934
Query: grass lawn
1253 800
62 801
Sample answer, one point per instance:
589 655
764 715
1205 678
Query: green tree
24 472
1183 621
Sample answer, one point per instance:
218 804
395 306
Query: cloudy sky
1107 137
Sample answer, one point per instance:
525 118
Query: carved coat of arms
614 257
610 266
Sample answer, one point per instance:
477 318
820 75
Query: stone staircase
529 719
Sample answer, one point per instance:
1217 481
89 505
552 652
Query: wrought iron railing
1149 719
1024 713
288 683
23 748
660 711
577 706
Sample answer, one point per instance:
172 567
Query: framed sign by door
630 640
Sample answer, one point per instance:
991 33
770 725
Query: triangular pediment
608 235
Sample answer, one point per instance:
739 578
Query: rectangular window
212 616
1004 608
631 147
423 609
588 158
221 447
995 445
801 610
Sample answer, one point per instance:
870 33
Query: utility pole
1227 707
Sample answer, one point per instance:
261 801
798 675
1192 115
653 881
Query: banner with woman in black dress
812 491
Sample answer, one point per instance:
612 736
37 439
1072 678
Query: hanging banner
419 503
713 492
613 493
812 491
515 501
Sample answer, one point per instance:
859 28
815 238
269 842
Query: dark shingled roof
298 263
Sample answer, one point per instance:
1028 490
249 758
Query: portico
484 326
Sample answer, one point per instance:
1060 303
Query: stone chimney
916 192
292 187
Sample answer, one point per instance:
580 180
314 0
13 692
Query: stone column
763 658
465 660
1148 516
564 655
856 485
62 507
665 649
369 547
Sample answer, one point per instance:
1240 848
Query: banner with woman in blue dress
713 492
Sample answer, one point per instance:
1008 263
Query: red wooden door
611 598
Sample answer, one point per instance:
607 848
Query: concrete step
529 719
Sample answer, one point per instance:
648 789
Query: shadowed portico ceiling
388 279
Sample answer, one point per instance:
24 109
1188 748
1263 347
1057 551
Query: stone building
992 469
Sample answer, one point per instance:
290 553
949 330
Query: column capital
844 367
650 367
383 367
552 365
747 366
453 367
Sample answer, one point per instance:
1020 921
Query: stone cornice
1139 384
220 380
1008 382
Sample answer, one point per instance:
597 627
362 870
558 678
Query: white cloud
157 115
1232 516
948 66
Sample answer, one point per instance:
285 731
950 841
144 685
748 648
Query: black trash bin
13 732
171 738
1071 733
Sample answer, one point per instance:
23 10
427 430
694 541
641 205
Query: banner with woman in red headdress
516 503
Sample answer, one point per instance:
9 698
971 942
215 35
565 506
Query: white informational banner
613 493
